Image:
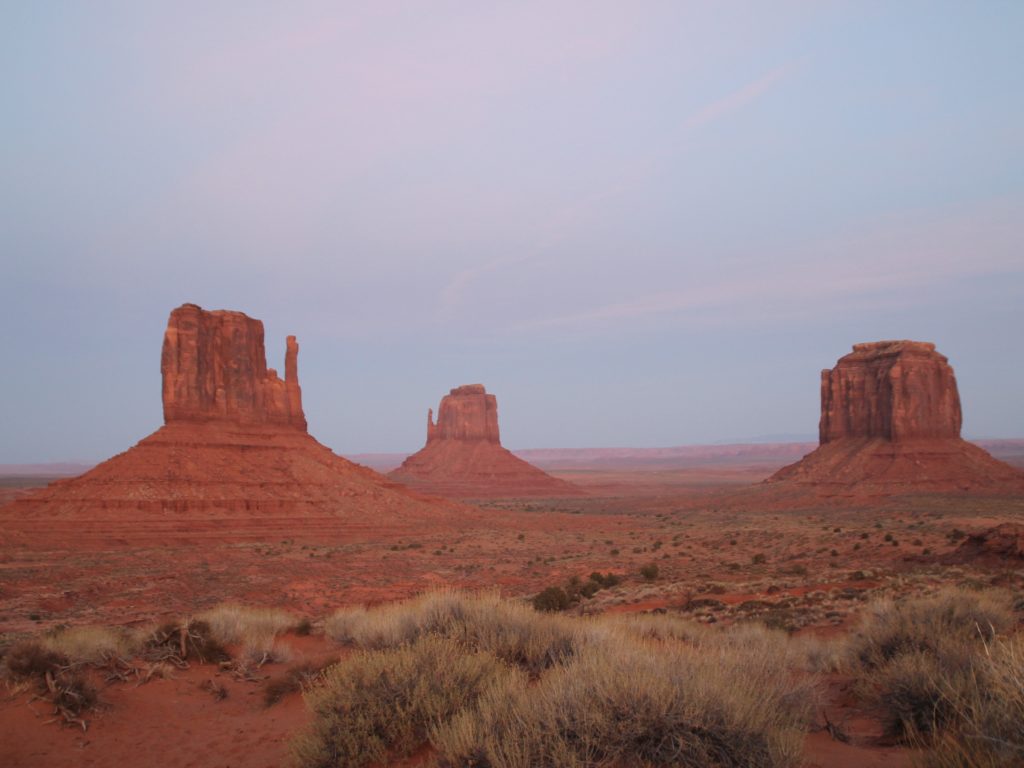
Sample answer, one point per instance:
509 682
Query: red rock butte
233 460
890 423
464 459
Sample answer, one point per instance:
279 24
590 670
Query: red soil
152 555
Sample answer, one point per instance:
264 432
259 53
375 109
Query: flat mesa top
892 347
468 389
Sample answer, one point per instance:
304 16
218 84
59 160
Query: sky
638 224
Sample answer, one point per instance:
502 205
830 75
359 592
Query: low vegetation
545 690
383 702
254 629
946 675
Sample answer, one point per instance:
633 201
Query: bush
177 642
551 599
620 703
889 629
989 727
510 631
920 660
649 571
382 702
92 645
31 659
255 629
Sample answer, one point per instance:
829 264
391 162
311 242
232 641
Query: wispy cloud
892 260
567 219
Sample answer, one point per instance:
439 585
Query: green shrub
649 571
551 599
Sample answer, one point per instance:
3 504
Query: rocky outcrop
214 368
463 457
233 461
1000 544
896 390
890 423
466 413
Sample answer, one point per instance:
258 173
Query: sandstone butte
464 459
890 423
232 461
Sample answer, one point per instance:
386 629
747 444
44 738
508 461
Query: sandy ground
719 559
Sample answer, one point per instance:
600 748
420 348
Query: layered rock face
233 460
890 423
214 367
463 457
466 413
896 390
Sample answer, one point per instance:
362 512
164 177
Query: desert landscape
228 567
714 312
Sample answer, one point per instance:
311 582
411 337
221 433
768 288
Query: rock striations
463 457
214 369
890 423
232 461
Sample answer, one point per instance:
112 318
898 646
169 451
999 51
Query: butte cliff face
463 457
466 413
233 460
214 367
895 390
890 423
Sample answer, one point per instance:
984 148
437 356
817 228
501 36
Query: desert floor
724 554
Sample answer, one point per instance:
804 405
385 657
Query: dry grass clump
510 631
382 702
890 629
985 712
176 643
93 645
928 662
60 679
255 629
31 659
628 703
647 690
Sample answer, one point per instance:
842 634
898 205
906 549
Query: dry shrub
647 690
889 629
623 702
987 727
511 631
924 661
93 645
60 678
31 660
176 643
381 702
296 678
72 694
253 628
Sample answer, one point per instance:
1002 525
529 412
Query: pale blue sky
637 223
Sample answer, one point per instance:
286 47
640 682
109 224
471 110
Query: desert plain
727 551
